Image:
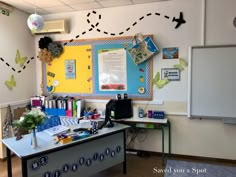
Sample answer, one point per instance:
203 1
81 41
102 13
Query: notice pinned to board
112 69
70 69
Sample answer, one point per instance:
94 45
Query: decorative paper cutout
50 88
182 64
11 83
55 48
55 83
49 49
20 60
158 82
50 74
45 56
44 42
141 78
141 90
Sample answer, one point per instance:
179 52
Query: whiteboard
212 82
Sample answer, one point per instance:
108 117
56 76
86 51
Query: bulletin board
84 60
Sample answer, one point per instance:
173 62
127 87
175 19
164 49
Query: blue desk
158 124
83 157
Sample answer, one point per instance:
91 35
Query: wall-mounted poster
112 69
170 53
171 74
70 69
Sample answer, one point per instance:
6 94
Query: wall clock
234 22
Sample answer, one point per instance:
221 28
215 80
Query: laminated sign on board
70 69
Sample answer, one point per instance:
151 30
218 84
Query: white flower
21 119
37 112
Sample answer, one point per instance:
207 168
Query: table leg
24 167
169 128
124 163
9 167
163 144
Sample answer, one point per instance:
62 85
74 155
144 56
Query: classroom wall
14 35
219 27
163 30
208 138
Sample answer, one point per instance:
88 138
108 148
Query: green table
152 123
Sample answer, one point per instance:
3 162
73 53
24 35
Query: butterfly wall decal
11 83
182 64
20 60
159 83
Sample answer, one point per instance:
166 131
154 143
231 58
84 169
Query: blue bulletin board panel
138 77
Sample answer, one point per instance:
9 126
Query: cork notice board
85 66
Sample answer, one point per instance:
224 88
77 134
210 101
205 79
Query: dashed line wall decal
21 60
177 20
141 18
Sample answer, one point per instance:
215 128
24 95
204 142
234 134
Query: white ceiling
59 6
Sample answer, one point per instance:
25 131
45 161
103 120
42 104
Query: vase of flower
29 122
34 142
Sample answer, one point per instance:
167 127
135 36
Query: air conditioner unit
54 26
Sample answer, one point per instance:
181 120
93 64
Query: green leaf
30 121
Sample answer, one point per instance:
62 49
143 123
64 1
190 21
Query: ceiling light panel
45 3
18 4
113 3
59 9
144 1
86 6
39 11
69 2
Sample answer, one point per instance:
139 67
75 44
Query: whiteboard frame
189 110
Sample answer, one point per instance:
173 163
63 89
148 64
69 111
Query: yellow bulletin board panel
82 83
83 78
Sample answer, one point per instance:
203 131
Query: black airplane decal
179 20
